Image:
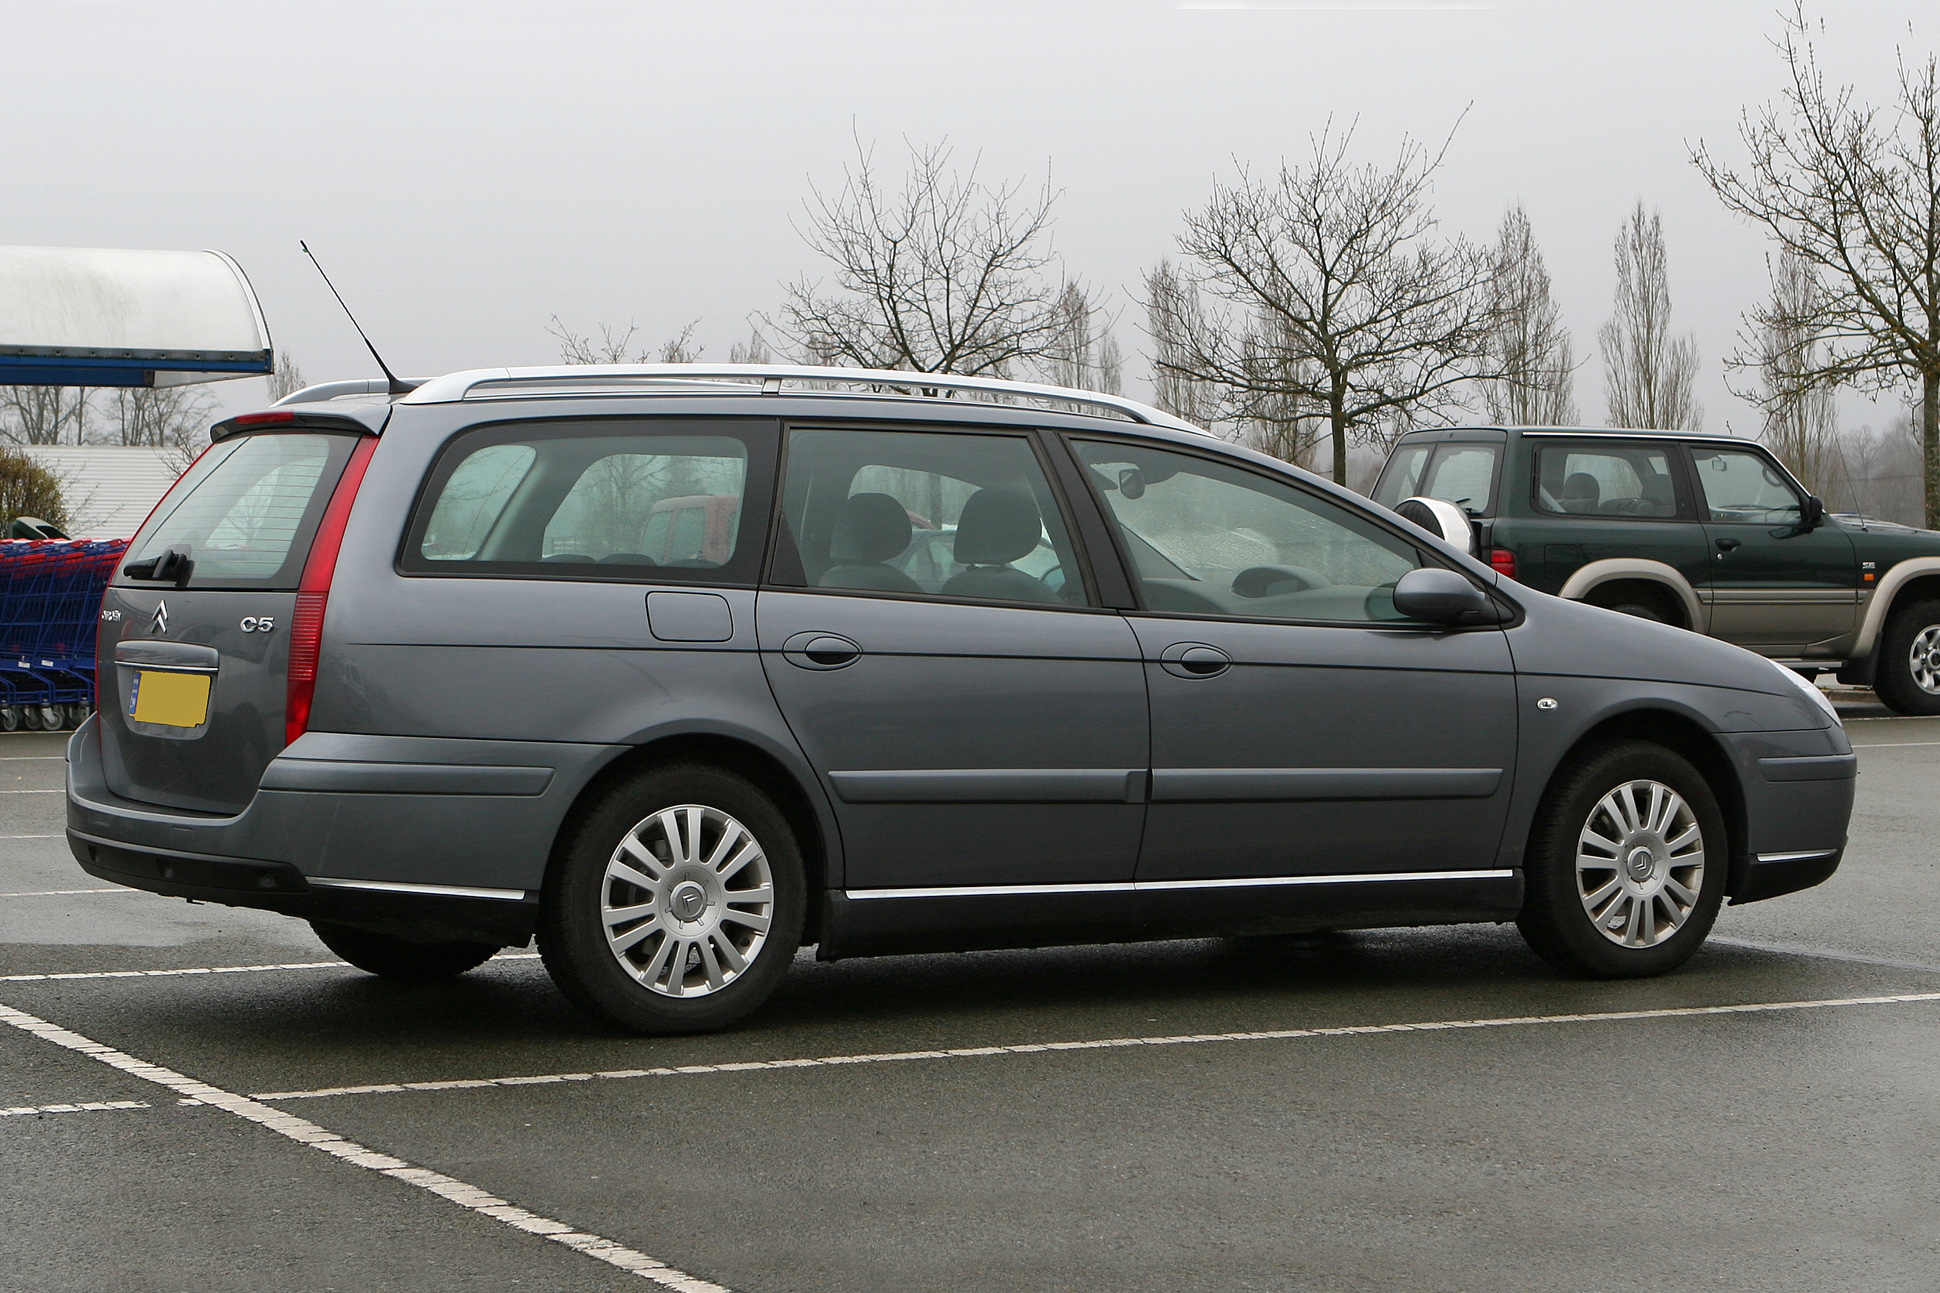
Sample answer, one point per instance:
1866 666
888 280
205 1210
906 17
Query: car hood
1571 639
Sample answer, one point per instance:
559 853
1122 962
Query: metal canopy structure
91 316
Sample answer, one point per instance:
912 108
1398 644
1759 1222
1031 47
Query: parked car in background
1707 533
439 673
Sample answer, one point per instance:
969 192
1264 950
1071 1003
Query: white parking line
1108 1043
63 893
91 1106
71 975
32 837
309 1133
56 791
1891 745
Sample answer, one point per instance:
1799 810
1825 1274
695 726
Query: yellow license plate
172 699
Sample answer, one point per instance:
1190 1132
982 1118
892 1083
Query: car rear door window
623 500
1460 472
945 514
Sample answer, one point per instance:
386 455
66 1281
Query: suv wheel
674 904
395 958
1626 864
1908 675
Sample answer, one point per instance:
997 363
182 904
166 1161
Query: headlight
1811 689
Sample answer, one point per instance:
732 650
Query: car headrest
997 527
1657 489
870 528
1580 484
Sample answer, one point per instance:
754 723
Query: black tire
1555 920
1895 680
1642 604
396 958
639 993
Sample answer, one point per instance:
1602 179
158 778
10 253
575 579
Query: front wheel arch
1690 742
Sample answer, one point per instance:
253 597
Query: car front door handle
1194 660
1729 545
820 651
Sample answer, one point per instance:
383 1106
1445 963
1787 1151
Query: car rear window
245 511
622 500
1458 471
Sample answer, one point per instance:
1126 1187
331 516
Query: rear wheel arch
1592 579
1690 741
1663 600
767 773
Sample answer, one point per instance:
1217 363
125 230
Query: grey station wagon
679 668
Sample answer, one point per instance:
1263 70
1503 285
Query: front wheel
1907 679
675 903
396 958
1626 864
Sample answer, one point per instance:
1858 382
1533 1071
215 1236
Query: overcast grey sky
467 170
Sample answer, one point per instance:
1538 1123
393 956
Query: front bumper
1798 796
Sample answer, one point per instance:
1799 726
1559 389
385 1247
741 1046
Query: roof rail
337 390
766 379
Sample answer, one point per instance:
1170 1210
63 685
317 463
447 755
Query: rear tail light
1504 562
313 593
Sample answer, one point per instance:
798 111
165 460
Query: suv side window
1743 487
667 501
962 515
1210 539
1609 480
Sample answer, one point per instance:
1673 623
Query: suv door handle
1194 660
1729 545
820 651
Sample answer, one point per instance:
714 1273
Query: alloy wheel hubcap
1924 657
687 900
1640 864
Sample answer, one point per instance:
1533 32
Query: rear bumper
417 915
424 838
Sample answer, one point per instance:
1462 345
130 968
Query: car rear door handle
813 650
1728 545
1194 660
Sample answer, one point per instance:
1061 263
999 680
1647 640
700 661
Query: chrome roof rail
769 379
372 386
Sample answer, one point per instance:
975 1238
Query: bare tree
1334 293
613 345
1801 420
287 379
946 275
1082 354
754 350
1853 192
173 419
1174 312
1880 473
45 414
1528 345
1647 373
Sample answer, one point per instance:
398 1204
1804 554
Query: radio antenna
397 387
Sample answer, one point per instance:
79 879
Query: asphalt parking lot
193 1097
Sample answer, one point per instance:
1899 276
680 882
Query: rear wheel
1907 678
1641 600
675 904
1626 863
397 958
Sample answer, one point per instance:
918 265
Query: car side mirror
1438 596
1441 518
1811 512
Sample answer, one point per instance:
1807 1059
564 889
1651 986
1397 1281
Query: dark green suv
1708 533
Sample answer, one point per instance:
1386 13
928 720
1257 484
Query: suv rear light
313 593
1504 561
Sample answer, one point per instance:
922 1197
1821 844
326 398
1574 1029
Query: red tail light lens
313 593
1504 562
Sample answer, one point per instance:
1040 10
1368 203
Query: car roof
624 380
1600 433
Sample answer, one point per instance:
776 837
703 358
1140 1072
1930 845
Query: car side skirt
875 922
